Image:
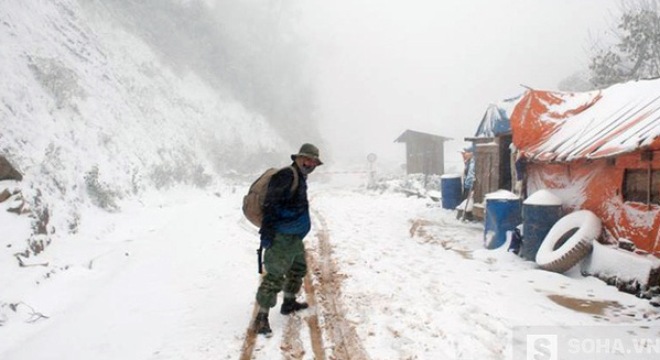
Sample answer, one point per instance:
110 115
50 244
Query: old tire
569 241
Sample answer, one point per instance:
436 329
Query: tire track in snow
292 346
250 337
313 320
323 292
346 344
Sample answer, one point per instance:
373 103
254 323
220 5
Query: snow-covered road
392 277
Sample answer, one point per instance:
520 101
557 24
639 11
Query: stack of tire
570 240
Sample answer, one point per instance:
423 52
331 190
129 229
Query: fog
382 67
353 75
247 50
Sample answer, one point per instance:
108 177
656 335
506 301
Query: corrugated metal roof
555 126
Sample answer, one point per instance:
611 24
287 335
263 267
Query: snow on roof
496 119
411 135
556 126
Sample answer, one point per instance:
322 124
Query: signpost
371 158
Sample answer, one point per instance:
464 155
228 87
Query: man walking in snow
285 223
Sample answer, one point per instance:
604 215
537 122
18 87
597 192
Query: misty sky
386 66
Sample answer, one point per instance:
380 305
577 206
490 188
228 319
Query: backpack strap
294 184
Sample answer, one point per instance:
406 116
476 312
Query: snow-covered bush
412 184
100 194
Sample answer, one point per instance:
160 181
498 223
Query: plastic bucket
540 212
538 220
502 215
451 189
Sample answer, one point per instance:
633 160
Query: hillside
92 114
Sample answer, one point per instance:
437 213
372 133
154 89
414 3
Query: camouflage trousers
285 266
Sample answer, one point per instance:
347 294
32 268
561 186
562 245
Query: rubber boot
261 325
290 305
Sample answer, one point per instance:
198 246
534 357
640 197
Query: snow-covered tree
636 51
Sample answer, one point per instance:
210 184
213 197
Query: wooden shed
425 152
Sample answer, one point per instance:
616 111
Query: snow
570 189
450 176
543 197
610 261
167 269
501 195
496 120
104 103
174 276
466 205
643 218
596 124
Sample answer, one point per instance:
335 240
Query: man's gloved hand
267 237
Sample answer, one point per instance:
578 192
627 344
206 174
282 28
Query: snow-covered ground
97 121
391 277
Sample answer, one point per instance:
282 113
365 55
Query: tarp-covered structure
597 150
496 119
492 151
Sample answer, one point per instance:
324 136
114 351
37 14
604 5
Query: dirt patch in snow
593 307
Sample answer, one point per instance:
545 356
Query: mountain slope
90 114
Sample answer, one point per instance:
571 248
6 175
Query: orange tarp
579 145
536 118
596 186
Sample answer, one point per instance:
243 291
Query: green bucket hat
310 151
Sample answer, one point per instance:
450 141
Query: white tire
569 241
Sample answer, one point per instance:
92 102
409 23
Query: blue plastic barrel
502 215
451 189
540 212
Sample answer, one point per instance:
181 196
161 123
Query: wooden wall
425 156
492 165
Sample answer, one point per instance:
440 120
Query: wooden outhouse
492 152
425 153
